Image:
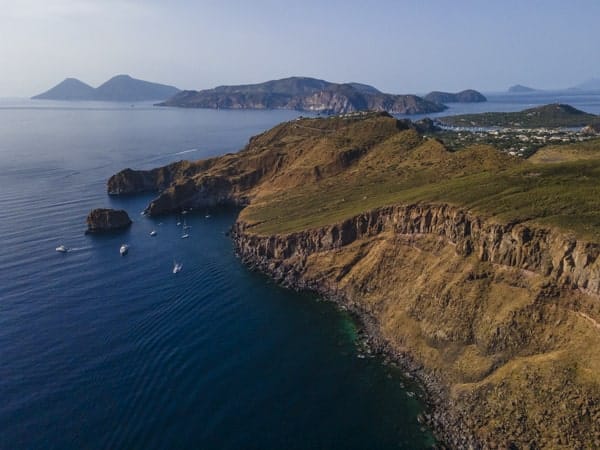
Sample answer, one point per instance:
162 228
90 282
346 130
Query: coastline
539 258
438 416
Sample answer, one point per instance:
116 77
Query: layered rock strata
500 321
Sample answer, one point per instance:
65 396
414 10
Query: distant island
304 94
593 84
520 89
120 88
467 96
553 115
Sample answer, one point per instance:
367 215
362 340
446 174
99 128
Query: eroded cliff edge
500 321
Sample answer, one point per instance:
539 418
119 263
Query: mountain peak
68 89
120 88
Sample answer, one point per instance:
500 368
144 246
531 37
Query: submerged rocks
102 220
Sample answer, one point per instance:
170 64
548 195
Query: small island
467 96
104 220
520 89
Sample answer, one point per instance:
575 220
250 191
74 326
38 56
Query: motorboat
124 249
62 249
153 233
185 236
177 267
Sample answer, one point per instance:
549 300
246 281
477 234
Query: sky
400 46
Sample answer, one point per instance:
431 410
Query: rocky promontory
466 96
103 220
478 271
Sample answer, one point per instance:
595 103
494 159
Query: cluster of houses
515 141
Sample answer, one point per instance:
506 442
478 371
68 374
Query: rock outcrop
103 220
483 312
466 96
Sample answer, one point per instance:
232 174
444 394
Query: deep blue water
101 351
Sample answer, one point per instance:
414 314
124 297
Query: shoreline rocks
105 220
377 266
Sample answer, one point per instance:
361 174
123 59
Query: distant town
521 142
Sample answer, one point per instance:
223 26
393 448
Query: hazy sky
400 46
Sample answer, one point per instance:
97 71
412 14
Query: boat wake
186 151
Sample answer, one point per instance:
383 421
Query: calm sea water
101 351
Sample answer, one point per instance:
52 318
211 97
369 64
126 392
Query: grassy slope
405 168
521 362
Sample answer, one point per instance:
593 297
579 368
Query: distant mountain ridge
520 89
120 88
593 84
304 94
466 96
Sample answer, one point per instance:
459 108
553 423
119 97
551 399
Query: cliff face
501 321
129 181
286 157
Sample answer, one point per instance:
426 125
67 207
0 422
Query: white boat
177 267
153 233
124 249
186 226
185 236
62 249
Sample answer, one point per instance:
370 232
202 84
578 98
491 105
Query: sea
101 351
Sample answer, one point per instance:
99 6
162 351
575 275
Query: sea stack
103 220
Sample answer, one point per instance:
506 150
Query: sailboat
185 229
177 267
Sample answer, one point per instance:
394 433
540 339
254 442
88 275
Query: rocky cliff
304 94
279 157
477 270
500 321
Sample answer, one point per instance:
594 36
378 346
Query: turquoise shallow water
102 351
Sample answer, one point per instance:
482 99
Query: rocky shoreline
454 421
446 426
